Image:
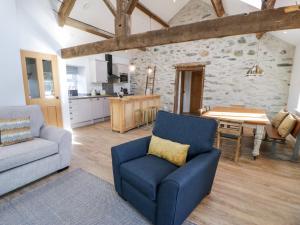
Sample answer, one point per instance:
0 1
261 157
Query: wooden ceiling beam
265 4
88 28
152 15
111 7
262 21
65 10
218 6
131 6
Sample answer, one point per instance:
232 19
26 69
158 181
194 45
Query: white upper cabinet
120 68
98 70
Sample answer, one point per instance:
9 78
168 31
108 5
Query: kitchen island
123 110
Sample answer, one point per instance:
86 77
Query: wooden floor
265 191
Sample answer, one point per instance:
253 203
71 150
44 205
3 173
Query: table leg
259 136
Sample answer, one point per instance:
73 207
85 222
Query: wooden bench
273 136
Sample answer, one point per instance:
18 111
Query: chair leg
237 151
218 141
273 150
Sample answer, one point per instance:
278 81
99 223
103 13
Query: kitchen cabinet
98 70
120 68
97 108
106 108
80 110
89 110
123 116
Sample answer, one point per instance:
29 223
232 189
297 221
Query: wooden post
122 20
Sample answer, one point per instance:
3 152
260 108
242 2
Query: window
72 77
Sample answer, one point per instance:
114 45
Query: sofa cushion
287 125
197 132
32 111
13 131
146 173
278 118
19 154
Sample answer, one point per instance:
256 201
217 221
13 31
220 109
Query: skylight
254 3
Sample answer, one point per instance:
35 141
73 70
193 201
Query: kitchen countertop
133 98
96 96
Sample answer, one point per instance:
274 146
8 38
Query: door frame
179 79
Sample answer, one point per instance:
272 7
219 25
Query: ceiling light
85 5
132 67
149 70
255 70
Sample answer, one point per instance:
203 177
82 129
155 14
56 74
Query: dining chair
232 130
202 111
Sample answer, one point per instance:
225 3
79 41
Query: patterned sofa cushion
32 111
14 131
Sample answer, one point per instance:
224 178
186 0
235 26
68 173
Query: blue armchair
162 192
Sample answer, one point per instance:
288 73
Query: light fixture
85 5
132 67
255 70
149 70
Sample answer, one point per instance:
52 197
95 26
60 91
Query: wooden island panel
123 110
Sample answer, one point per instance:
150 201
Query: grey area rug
77 198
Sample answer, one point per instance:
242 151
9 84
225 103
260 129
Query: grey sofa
48 152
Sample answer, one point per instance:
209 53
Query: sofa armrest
181 191
64 140
126 152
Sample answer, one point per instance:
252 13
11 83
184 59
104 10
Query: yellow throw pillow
173 152
278 118
287 126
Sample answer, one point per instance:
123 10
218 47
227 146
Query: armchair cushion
146 173
197 132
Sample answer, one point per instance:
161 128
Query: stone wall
227 61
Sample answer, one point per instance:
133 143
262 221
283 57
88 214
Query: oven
123 77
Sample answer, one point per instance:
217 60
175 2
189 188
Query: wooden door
182 91
196 92
41 84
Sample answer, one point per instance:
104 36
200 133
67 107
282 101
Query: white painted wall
294 94
11 82
38 31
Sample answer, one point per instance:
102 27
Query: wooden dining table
251 117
